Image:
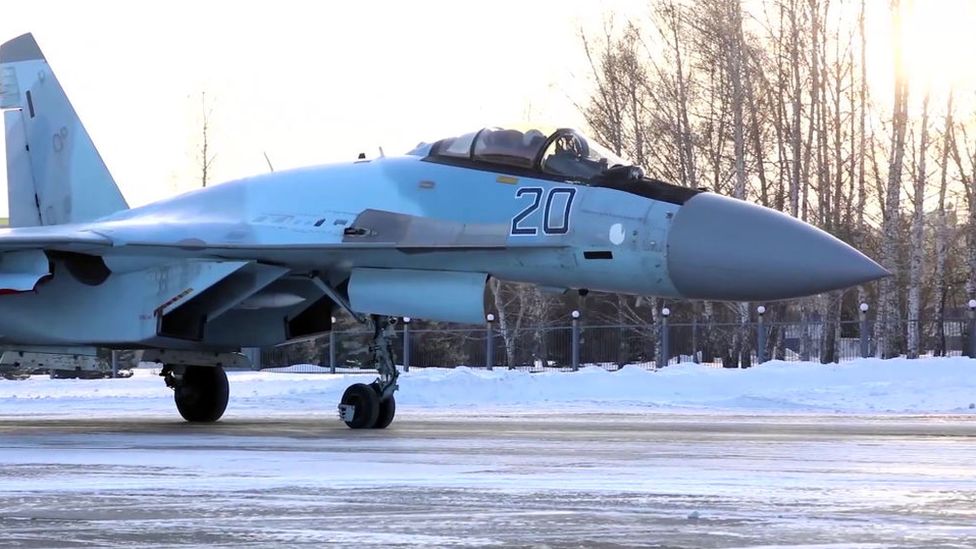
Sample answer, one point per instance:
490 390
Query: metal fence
570 347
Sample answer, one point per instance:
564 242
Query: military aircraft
268 259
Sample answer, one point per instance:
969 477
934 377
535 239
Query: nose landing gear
373 406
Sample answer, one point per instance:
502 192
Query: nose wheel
360 406
386 412
373 406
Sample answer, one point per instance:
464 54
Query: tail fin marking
52 163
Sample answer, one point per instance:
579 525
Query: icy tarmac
506 477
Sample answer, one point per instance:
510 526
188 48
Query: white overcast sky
305 82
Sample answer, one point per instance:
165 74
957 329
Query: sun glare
939 52
939 40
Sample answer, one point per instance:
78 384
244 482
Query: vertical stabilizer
54 173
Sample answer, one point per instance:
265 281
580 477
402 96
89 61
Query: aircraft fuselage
563 236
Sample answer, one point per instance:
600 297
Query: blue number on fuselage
563 226
528 211
518 225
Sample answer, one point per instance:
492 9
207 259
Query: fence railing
614 346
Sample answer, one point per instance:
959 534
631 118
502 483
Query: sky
303 82
311 82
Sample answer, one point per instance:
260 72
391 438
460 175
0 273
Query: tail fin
54 173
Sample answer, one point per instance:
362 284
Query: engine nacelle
449 296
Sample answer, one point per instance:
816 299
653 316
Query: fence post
490 341
761 335
406 344
694 342
972 329
576 340
115 363
665 356
332 348
865 347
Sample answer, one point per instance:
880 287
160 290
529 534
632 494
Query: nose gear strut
373 406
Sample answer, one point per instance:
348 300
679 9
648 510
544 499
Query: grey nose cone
726 249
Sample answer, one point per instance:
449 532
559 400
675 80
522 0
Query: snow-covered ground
933 385
868 454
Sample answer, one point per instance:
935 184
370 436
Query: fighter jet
269 259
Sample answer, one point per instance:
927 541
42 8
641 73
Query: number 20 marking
548 227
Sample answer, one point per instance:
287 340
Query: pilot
571 144
569 157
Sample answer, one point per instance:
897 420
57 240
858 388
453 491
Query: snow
863 454
928 385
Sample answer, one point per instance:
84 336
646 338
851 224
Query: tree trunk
887 328
917 243
941 237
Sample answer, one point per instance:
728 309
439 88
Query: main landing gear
373 406
201 392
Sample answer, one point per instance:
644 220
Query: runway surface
505 478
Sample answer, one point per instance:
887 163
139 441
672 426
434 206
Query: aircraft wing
55 237
371 230
228 271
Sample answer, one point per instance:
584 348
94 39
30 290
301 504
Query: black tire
201 396
387 408
387 411
367 404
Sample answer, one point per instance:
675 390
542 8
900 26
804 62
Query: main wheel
201 394
366 403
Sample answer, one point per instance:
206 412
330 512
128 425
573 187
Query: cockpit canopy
562 154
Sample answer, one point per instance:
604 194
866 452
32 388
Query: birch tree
887 326
941 232
770 101
917 234
205 156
